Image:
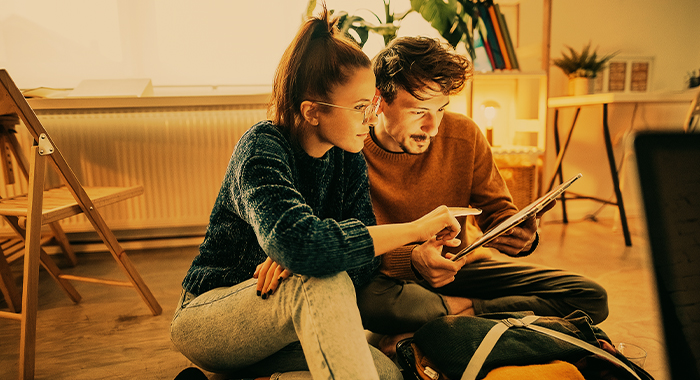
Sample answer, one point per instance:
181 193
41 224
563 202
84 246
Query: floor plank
112 335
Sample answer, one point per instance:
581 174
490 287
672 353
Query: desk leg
559 172
560 156
615 178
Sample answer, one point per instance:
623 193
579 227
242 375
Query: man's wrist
413 267
532 248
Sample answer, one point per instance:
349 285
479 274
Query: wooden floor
112 335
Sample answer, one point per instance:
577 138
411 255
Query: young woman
296 196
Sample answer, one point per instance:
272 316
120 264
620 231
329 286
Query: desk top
621 97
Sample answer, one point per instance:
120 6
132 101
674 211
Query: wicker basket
520 174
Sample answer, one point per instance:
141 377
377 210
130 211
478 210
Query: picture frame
625 73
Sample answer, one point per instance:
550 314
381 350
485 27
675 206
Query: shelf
520 102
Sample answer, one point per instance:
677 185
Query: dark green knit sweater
309 215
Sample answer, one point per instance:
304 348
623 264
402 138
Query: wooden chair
27 213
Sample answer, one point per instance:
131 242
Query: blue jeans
233 331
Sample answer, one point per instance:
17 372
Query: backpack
467 347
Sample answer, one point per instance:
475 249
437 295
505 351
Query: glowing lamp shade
490 110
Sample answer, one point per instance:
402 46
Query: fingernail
258 292
264 296
280 279
269 292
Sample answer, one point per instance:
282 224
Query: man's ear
380 109
309 111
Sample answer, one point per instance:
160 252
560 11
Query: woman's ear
309 111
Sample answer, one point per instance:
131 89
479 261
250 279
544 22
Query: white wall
177 42
208 42
667 31
173 42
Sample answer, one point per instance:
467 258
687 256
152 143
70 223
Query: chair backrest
692 120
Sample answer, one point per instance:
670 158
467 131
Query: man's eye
441 109
361 107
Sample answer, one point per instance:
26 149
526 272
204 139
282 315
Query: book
526 213
482 34
490 38
507 38
499 35
482 62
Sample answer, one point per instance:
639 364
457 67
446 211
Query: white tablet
526 213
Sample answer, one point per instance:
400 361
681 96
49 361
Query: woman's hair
414 63
318 59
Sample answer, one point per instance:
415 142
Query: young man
420 156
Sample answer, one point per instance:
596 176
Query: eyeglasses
367 111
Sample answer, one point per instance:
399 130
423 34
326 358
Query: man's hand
517 239
269 275
521 237
427 259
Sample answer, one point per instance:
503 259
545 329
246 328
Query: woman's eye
441 110
361 107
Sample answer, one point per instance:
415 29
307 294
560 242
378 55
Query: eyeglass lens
371 108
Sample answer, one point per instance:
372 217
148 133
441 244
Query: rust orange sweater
456 170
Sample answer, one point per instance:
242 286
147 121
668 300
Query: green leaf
587 63
439 14
356 23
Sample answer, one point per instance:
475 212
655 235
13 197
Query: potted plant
581 68
455 20
347 22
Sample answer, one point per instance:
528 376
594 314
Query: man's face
408 124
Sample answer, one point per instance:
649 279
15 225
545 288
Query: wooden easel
27 213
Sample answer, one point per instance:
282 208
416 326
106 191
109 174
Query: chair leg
8 287
62 241
55 273
45 260
135 278
118 253
30 293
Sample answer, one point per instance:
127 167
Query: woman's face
344 127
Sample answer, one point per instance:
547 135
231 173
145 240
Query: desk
594 100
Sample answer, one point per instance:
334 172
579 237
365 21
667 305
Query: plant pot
581 86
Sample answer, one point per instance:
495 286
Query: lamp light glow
490 110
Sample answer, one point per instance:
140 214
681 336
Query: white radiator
179 155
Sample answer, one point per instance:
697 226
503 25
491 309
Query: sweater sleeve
286 226
397 263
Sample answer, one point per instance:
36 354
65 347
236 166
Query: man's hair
416 64
319 58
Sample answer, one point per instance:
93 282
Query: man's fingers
547 208
442 282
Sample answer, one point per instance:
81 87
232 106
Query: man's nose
431 125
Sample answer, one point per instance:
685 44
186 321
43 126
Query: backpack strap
489 341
